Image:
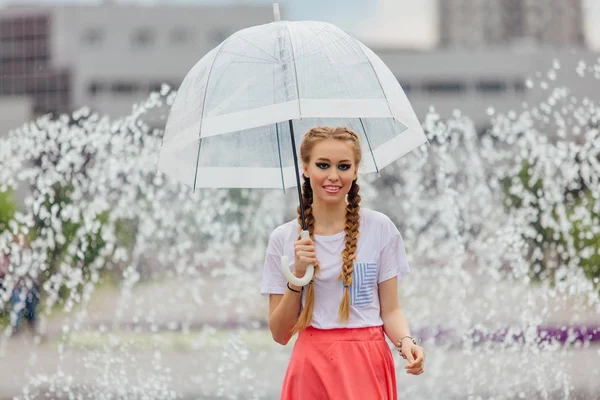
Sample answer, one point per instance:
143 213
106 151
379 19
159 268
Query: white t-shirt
380 255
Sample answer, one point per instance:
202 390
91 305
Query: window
124 87
180 35
93 37
19 84
5 87
491 86
94 88
59 83
143 37
519 86
445 87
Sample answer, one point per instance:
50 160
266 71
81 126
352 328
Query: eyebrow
328 160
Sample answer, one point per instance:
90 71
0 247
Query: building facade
107 57
25 65
485 23
111 57
502 79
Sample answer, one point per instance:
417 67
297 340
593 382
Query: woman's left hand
415 355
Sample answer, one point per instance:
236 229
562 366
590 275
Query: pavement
179 339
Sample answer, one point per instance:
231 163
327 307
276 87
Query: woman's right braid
305 317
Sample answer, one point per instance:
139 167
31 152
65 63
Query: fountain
150 290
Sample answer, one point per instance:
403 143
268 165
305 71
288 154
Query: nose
333 175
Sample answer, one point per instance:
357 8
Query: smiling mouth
332 189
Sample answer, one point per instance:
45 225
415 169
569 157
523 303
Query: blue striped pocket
363 281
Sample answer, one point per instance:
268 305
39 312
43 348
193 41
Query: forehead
333 150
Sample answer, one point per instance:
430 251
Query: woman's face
331 169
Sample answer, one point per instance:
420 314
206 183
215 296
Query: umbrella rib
252 62
253 45
279 153
203 107
374 71
197 162
247 56
309 40
369 144
317 49
293 60
339 76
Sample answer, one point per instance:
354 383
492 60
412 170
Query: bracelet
293 290
399 345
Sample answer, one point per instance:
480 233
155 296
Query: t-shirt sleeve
393 259
273 281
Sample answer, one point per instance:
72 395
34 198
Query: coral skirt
348 364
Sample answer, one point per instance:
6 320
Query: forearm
285 315
395 325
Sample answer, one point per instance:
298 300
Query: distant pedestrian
25 298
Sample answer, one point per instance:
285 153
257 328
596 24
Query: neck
329 215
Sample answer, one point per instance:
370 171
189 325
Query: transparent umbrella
233 120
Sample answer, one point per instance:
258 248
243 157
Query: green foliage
7 212
586 242
89 245
7 209
554 243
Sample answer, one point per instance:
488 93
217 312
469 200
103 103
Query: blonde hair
312 137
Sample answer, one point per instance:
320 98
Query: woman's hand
415 355
305 255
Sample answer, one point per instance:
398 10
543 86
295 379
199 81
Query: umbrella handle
285 268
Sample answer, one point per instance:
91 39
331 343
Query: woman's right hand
305 255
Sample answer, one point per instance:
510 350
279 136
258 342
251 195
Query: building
484 23
108 57
502 79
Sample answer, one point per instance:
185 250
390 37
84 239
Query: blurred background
500 215
57 56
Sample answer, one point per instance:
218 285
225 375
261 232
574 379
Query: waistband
371 333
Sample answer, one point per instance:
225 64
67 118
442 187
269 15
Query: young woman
342 314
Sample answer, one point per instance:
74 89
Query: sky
406 23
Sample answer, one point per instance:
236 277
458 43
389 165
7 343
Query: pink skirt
348 364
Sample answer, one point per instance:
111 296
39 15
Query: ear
305 173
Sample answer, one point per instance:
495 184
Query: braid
349 253
305 317
307 200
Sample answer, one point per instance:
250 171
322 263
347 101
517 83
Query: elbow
278 336
282 340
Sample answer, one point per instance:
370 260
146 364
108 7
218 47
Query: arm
395 325
284 310
284 304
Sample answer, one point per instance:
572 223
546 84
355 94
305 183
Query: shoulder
376 221
284 231
373 217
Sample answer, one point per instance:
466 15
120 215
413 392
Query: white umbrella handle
285 268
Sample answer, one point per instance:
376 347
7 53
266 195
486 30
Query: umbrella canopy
232 122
